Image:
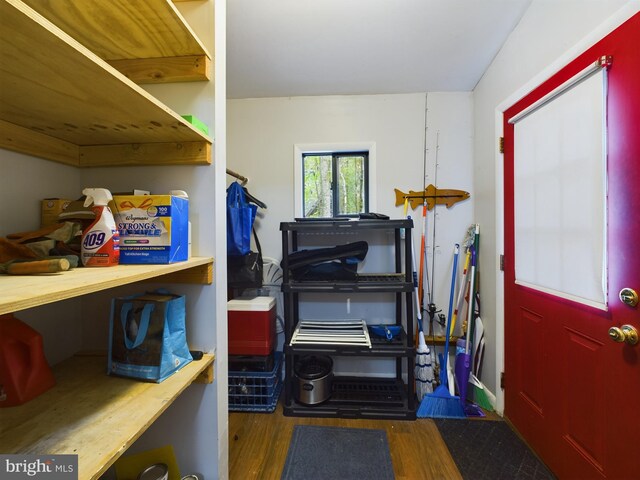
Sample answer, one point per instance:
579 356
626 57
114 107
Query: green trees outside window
335 184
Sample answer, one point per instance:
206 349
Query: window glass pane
351 184
316 171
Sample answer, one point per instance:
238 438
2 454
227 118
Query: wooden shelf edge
441 340
191 68
23 140
131 154
206 376
29 142
92 410
22 292
199 275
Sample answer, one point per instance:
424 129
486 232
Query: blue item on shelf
386 331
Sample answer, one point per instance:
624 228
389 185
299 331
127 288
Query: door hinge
501 144
502 380
502 263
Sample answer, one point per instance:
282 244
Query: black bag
331 263
245 271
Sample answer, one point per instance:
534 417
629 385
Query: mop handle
461 292
415 281
456 253
448 327
471 294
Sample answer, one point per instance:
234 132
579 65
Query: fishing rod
432 309
420 291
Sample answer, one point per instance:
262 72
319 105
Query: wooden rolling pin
29 267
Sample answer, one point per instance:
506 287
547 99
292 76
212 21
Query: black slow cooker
314 379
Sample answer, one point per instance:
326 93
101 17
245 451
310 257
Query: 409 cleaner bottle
101 240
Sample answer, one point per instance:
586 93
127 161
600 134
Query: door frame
602 30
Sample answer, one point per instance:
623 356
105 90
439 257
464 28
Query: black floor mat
327 453
490 450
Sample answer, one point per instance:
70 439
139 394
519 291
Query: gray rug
326 453
490 450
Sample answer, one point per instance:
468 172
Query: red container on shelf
24 371
252 325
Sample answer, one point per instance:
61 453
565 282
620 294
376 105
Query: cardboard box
50 209
252 325
153 228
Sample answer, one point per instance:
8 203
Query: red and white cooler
252 325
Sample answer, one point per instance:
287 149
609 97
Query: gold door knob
627 333
616 334
628 296
630 334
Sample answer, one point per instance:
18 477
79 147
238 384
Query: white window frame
299 149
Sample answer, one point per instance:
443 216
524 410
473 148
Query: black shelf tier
380 347
333 226
357 397
365 282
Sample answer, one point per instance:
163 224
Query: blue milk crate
256 391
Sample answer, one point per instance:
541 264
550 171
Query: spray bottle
101 240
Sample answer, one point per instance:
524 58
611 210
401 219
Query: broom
440 403
479 392
463 358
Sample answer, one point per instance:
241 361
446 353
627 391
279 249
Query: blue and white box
154 229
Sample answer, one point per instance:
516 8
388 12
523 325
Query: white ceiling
280 48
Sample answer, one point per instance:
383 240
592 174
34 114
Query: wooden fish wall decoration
432 195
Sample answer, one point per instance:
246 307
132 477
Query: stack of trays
331 332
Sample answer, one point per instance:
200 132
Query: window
335 184
560 194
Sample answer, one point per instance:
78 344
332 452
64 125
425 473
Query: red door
570 390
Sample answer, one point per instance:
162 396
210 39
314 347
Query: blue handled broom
440 403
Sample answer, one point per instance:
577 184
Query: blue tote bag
240 217
147 338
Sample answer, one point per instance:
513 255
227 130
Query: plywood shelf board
122 29
22 292
90 413
52 85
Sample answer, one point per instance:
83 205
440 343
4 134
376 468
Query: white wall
262 134
550 33
24 182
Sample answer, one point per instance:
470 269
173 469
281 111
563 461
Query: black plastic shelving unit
355 397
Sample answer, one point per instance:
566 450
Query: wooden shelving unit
68 93
22 292
60 101
91 414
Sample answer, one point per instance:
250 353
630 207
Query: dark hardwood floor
258 445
